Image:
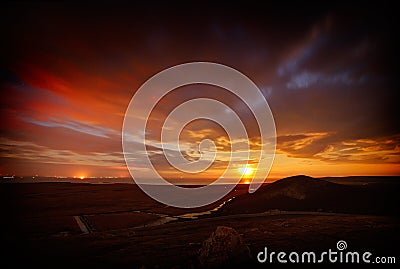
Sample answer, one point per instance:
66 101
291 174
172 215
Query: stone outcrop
223 248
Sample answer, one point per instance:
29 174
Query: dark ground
39 226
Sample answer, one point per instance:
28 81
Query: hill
304 193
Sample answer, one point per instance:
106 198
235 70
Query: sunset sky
68 73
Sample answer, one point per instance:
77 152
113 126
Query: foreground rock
223 248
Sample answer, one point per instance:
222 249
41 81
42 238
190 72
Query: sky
69 71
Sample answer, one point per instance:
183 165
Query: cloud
330 147
21 93
308 79
374 151
81 127
303 51
30 151
297 60
21 99
301 145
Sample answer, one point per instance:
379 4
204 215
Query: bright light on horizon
246 171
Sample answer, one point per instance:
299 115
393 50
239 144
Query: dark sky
329 74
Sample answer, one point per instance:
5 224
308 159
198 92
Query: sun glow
246 171
81 177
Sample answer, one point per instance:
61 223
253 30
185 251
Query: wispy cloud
307 79
380 150
41 154
301 145
305 50
331 148
78 126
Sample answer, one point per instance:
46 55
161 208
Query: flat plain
109 225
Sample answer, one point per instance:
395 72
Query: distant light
81 177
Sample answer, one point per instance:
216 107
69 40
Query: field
109 225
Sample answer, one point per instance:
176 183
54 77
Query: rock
224 247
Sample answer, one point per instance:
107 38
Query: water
164 219
199 214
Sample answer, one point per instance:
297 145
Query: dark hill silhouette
304 193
